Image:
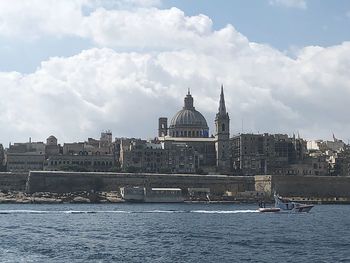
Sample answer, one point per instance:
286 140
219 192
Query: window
223 127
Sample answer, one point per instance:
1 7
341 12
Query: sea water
172 233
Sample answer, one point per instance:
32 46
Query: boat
151 195
264 209
289 205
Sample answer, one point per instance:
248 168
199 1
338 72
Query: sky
73 68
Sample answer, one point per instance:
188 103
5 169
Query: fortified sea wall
289 186
304 186
13 181
60 182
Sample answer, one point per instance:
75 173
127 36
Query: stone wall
288 186
61 182
304 186
13 181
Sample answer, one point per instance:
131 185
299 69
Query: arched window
223 127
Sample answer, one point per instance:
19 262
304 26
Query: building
342 162
24 162
336 145
51 147
189 127
184 146
256 154
2 159
24 157
313 165
330 150
157 157
250 152
140 155
91 155
38 147
79 163
222 136
183 158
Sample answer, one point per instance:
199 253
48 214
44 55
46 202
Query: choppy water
172 233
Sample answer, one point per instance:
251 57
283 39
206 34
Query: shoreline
17 197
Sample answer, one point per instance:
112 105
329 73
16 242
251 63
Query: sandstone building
184 146
92 155
23 157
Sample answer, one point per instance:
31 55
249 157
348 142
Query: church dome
188 122
188 118
52 140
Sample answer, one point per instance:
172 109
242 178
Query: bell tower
222 136
162 127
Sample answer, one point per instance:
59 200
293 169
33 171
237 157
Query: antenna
242 125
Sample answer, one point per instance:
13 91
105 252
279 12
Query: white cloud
100 88
35 18
301 4
147 28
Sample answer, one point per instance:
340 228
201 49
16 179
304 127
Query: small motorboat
288 205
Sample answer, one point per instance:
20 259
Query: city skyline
75 68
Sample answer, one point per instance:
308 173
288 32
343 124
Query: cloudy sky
75 68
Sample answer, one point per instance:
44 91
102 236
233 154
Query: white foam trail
24 212
94 212
124 212
58 212
224 212
161 211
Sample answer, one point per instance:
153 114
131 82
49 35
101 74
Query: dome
188 118
52 140
188 122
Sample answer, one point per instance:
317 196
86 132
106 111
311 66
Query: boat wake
124 211
224 211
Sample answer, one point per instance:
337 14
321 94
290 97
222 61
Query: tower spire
222 107
222 123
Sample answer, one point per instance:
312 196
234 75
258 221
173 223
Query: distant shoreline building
185 145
